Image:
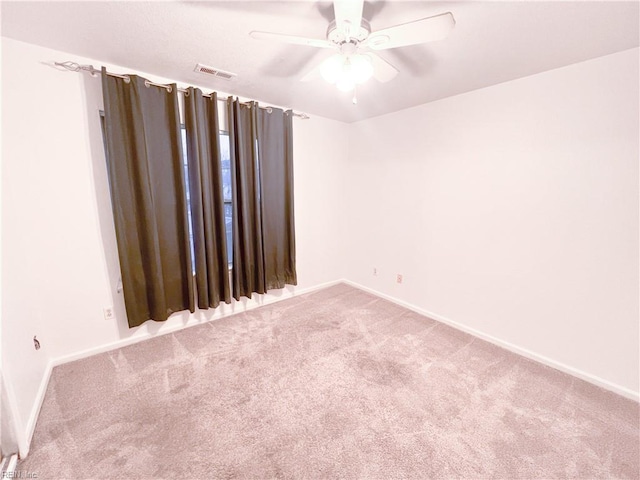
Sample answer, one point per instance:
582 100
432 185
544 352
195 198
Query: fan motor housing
337 36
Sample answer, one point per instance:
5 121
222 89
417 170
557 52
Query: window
225 155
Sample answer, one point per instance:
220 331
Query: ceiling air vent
215 72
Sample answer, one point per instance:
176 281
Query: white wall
59 257
512 211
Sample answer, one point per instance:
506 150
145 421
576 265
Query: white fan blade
420 31
383 71
348 16
278 37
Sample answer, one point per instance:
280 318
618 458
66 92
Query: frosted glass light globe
361 68
347 70
345 83
331 68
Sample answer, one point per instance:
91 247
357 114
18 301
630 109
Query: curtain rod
75 67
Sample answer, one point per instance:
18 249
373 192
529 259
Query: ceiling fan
350 34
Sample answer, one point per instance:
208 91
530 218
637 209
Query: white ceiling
492 42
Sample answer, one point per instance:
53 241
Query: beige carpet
333 384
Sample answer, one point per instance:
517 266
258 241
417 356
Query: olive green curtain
146 177
263 210
248 259
275 147
206 198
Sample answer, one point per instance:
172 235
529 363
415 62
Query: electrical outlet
375 272
399 278
109 313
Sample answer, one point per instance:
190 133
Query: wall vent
215 72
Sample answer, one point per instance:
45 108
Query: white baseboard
26 434
600 382
17 431
35 410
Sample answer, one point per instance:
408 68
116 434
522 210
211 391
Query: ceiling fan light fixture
347 70
351 35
